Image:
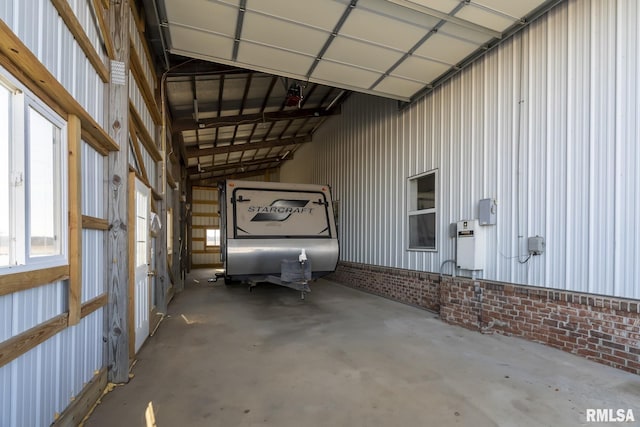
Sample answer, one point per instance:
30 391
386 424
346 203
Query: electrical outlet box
470 248
536 245
487 211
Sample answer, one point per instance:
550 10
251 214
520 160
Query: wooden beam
136 18
75 218
204 202
94 143
33 74
70 19
187 123
20 344
118 201
99 9
93 223
32 279
143 85
82 404
93 305
170 180
136 150
145 137
248 146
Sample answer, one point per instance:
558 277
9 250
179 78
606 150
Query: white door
141 287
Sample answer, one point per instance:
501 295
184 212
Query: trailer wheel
228 281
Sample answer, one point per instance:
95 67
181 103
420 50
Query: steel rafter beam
184 124
248 146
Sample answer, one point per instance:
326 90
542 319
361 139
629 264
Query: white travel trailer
277 232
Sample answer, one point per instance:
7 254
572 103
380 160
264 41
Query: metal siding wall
42 30
627 155
37 305
93 182
135 95
139 47
150 165
547 124
93 241
43 381
93 270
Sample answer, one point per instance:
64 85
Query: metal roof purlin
446 17
236 41
415 47
332 36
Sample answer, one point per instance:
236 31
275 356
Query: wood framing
32 279
20 344
143 85
94 143
93 305
118 172
31 338
145 138
205 202
75 217
93 223
35 76
136 150
70 19
141 31
99 9
85 400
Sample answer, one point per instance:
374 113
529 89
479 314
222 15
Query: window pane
44 186
427 192
142 231
213 237
422 231
5 99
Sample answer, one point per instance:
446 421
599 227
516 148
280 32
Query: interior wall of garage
547 125
42 382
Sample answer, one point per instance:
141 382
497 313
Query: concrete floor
227 357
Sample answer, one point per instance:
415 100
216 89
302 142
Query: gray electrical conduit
452 261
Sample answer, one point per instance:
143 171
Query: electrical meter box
470 247
487 212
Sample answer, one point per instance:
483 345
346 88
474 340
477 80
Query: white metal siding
135 95
37 305
142 54
93 271
151 167
93 182
547 124
42 30
43 381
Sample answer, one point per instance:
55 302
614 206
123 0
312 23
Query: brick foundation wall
603 329
410 287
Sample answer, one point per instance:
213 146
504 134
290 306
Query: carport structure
482 157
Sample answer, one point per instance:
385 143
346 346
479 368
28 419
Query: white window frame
412 209
19 186
206 238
